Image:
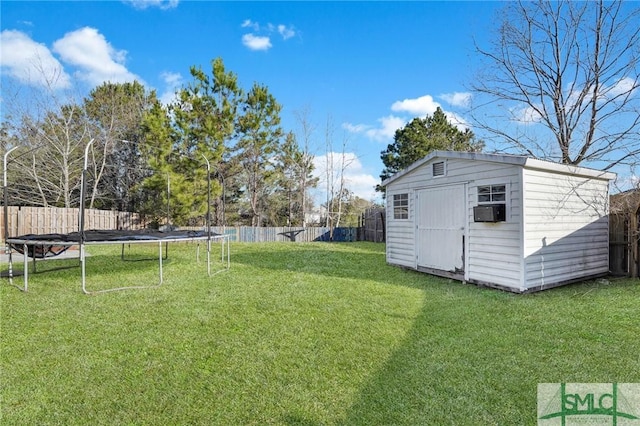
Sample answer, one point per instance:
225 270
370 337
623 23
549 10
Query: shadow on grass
447 371
339 260
473 355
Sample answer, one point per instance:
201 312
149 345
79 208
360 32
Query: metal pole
209 257
208 219
7 248
83 191
160 258
168 199
224 201
26 266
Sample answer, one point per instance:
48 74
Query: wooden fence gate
373 225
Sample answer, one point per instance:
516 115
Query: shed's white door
441 220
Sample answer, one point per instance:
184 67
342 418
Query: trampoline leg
160 258
10 267
82 267
226 244
26 268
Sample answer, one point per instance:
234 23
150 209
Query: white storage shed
503 221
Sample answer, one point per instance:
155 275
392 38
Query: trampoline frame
225 256
82 242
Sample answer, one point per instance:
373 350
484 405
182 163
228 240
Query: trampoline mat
37 246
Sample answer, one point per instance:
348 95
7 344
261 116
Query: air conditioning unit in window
489 213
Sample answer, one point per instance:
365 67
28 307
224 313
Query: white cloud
416 107
30 62
385 132
97 61
355 128
172 82
260 38
254 42
422 106
623 86
457 120
171 79
286 32
356 179
457 99
248 23
525 115
146 4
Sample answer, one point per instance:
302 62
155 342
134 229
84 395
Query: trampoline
49 245
43 246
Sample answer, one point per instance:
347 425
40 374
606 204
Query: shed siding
400 239
495 249
565 229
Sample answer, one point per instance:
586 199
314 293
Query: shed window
492 194
438 169
401 206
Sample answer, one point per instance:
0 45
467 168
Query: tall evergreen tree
160 137
198 124
259 140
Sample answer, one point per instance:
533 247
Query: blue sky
366 68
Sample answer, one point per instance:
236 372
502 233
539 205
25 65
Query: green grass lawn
298 334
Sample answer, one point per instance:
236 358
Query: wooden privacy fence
249 234
373 225
55 220
624 234
50 220
621 247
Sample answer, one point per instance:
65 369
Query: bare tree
51 162
329 175
307 128
561 82
52 130
342 191
336 183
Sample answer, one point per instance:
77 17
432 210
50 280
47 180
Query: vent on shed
438 169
